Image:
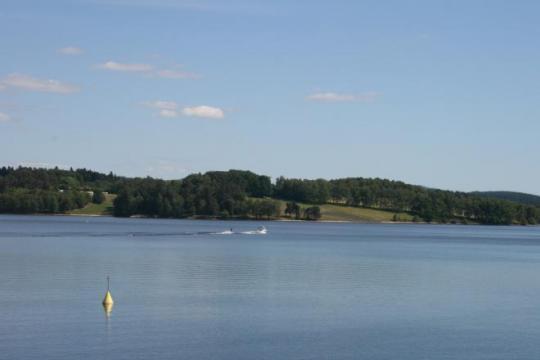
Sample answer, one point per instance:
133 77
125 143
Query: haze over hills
519 197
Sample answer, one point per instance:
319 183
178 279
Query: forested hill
522 198
243 194
26 190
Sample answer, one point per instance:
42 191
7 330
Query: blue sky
438 93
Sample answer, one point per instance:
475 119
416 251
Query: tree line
242 194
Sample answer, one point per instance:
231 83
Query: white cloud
4 118
369 96
175 74
169 109
71 50
2 87
115 66
204 111
27 82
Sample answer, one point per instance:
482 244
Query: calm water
304 291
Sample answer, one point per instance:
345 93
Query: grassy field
348 213
104 208
331 212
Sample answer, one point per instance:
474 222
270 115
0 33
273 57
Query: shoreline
229 219
275 220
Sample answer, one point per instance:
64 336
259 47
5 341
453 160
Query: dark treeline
240 194
214 194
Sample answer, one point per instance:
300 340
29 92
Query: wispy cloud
4 118
170 109
2 87
165 113
148 70
161 104
369 96
167 109
37 164
26 82
176 74
70 50
116 66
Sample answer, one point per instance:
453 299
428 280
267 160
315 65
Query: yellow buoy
108 301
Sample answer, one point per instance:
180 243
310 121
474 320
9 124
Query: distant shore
272 220
262 219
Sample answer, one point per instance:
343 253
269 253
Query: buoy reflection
107 307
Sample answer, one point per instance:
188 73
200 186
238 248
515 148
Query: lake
303 291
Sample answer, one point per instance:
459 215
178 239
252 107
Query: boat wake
261 230
226 232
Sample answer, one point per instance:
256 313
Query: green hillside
348 213
331 212
104 209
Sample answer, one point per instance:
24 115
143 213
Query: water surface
303 291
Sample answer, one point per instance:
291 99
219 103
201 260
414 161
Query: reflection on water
304 290
108 307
